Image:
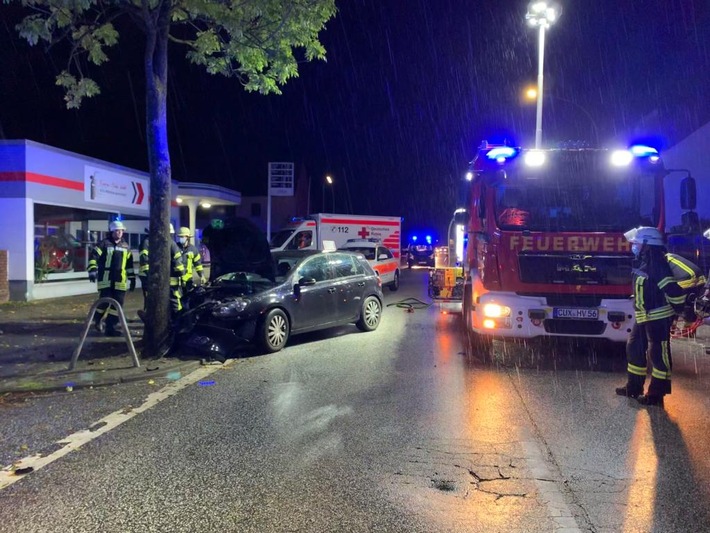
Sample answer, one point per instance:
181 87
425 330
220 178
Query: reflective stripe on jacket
193 261
113 263
657 295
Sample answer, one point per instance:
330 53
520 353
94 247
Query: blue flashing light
414 238
501 153
428 239
640 150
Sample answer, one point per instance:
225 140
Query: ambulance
335 230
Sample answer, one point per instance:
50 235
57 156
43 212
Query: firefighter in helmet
657 299
177 269
191 258
111 268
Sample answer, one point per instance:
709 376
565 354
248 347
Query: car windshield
580 196
281 237
368 252
243 282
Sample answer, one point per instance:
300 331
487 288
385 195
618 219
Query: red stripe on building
42 180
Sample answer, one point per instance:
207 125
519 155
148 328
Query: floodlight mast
540 15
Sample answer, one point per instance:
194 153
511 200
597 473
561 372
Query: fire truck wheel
479 346
394 285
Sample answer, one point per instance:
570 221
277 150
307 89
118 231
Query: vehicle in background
381 259
420 251
546 254
312 290
312 232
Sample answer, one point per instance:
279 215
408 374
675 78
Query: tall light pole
541 15
329 181
531 94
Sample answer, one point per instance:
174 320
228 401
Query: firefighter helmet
116 225
184 232
645 235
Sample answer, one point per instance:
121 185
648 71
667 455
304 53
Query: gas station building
55 205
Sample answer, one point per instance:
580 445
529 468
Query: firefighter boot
633 387
648 399
628 391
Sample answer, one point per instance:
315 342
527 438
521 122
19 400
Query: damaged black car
310 290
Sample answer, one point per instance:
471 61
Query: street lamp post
531 94
329 181
542 16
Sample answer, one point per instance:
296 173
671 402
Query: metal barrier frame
122 317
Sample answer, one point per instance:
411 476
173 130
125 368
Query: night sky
409 90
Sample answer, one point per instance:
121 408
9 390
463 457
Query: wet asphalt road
395 430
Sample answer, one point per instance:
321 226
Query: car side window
317 268
384 251
343 266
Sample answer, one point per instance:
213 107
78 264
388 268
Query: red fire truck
546 255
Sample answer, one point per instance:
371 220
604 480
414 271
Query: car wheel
274 331
394 285
370 314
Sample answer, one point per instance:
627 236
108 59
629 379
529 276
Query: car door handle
331 290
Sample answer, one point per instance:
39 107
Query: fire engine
546 255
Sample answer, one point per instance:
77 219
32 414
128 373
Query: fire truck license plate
575 313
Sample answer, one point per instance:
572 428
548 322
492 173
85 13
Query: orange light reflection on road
643 464
443 336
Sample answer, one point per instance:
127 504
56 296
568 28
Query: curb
66 381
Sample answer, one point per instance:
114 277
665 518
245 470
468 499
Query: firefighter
177 269
691 280
111 268
657 298
143 265
191 259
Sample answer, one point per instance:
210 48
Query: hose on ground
410 304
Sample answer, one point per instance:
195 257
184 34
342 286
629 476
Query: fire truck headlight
496 311
621 158
534 158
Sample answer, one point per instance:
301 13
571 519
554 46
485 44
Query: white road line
550 493
8 475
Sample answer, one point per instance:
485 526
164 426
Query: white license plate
576 313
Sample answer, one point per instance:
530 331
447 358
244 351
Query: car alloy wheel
370 314
274 331
395 282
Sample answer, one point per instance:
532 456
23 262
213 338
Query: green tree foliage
258 42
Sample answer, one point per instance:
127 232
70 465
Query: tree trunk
156 73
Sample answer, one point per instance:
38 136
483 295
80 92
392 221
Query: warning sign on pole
280 179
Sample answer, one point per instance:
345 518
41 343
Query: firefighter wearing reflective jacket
111 268
691 280
143 265
657 298
191 258
177 270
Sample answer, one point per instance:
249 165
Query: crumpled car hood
238 246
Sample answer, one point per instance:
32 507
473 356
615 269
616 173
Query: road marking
550 493
77 440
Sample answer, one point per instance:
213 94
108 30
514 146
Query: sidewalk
38 338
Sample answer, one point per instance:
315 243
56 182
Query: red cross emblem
363 233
